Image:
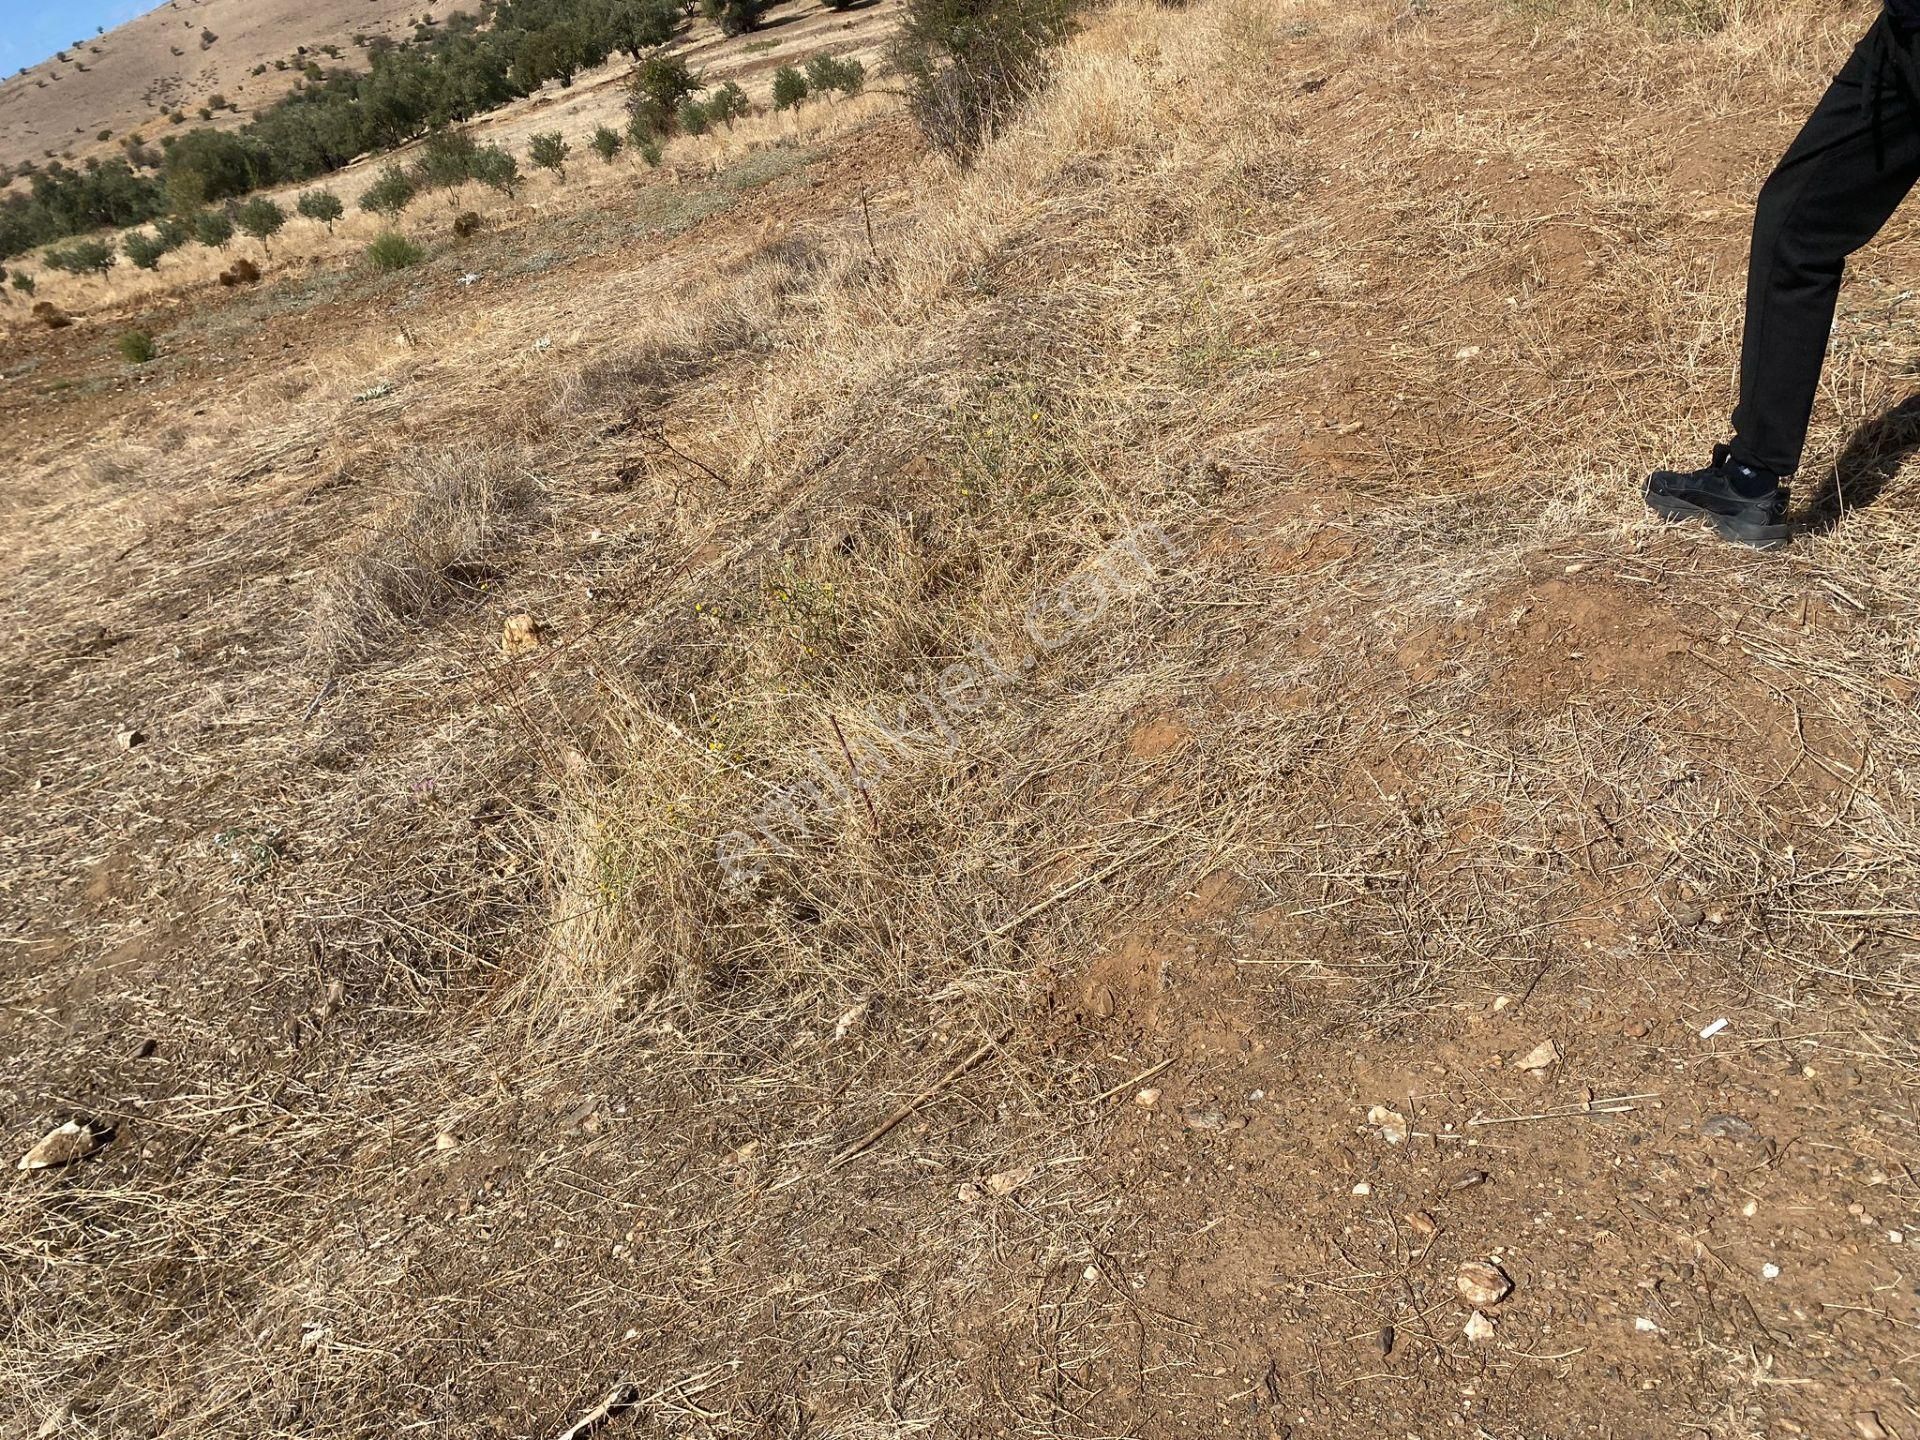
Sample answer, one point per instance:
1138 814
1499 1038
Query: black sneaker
1716 496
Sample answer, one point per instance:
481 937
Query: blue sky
31 30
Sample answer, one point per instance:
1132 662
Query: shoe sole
1728 527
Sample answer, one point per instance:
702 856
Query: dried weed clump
428 550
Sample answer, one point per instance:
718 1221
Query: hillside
803 794
138 72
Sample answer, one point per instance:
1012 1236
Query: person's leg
1853 163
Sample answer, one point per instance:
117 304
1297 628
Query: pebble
1391 1124
1482 1285
62 1146
1769 1271
1148 1098
1478 1328
1363 1188
1544 1054
1866 1424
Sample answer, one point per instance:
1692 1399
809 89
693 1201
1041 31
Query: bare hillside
798 794
130 78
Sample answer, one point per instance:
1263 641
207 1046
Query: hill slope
1105 786
137 72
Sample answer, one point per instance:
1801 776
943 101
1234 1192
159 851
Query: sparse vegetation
136 347
970 65
496 169
829 73
22 281
393 251
144 251
549 151
607 143
214 229
789 87
446 160
654 95
83 257
322 206
260 217
734 17
390 194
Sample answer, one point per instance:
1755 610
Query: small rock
1363 1188
1540 1057
128 739
1728 1127
62 1146
1391 1124
446 1141
1478 1328
1467 1179
520 635
1385 1338
1481 1284
1645 1326
1422 1224
851 1019
1866 1424
1769 1271
1008 1181
1148 1098
1636 1029
1204 1118
1896 1237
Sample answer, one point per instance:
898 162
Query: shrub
104 136
607 143
143 250
446 159
497 170
649 151
213 228
549 151
660 83
393 251
22 281
969 65
86 257
136 347
789 88
827 73
467 224
734 17
390 194
728 104
691 118
260 217
321 205
173 230
242 272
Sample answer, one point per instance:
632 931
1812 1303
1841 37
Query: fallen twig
885 1127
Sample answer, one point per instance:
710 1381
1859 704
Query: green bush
85 257
143 250
260 217
789 88
497 170
549 151
734 17
659 84
213 228
691 118
649 151
390 194
728 104
607 143
970 65
321 205
174 230
136 347
23 282
826 73
446 159
393 251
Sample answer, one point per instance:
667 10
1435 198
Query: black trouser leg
1840 181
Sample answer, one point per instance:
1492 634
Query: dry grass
454 511
663 925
